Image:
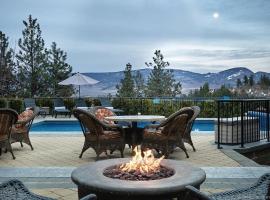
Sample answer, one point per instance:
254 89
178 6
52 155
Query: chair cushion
25 115
102 113
60 108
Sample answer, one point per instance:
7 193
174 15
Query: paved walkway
59 151
63 151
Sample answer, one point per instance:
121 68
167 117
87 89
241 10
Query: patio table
134 134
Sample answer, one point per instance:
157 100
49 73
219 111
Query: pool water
74 126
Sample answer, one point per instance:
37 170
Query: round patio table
134 134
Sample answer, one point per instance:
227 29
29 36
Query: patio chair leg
83 150
32 148
122 153
21 144
10 150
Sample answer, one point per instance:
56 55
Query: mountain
189 80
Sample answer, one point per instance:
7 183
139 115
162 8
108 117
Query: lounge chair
31 103
259 191
15 189
99 135
106 102
80 104
164 137
187 135
8 117
20 131
60 108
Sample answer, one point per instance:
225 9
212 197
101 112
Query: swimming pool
74 126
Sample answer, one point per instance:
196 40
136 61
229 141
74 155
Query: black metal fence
242 121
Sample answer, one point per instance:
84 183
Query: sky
104 35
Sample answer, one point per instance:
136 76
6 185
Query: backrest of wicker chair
185 110
8 117
197 111
176 127
89 123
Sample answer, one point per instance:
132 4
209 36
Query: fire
144 164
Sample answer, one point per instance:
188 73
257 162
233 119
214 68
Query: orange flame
143 164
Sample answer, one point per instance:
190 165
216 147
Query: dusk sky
104 35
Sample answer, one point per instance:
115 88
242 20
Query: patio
46 170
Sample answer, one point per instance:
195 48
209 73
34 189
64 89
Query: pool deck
47 169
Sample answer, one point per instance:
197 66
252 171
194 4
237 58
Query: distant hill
189 80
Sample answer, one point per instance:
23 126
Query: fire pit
137 178
142 167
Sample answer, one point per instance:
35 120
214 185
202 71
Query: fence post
218 124
242 124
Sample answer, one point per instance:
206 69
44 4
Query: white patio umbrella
79 79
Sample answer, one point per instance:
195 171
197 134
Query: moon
215 15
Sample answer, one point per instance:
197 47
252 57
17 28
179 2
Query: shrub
3 103
16 104
88 102
96 102
69 103
44 102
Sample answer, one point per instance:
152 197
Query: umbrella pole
79 91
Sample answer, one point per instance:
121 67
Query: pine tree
251 80
126 87
161 81
31 60
58 70
7 68
238 83
246 81
139 84
264 82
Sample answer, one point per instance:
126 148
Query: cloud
101 35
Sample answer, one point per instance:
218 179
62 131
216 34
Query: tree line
160 83
263 82
34 70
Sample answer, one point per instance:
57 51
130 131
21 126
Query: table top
91 177
135 118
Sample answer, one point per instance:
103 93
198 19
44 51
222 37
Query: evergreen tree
58 70
246 81
31 60
139 84
238 83
161 81
251 80
7 68
264 82
126 87
222 91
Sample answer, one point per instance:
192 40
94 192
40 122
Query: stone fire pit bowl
90 179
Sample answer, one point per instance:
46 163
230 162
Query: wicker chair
164 137
15 189
21 133
187 135
99 135
258 191
8 117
